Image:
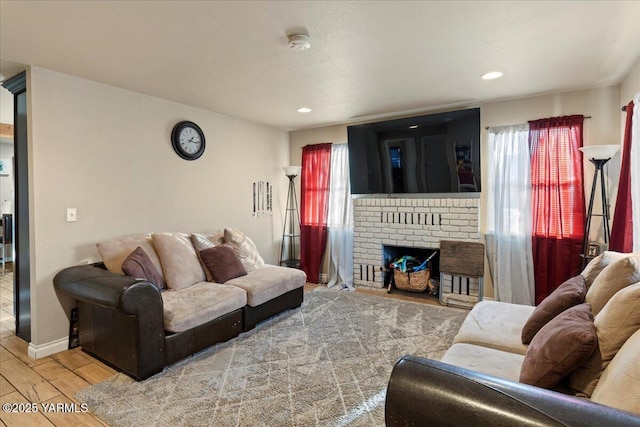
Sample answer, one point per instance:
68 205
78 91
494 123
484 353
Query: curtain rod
624 108
584 117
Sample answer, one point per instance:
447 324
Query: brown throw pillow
559 347
139 265
223 263
566 295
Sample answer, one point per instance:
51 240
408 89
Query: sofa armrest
429 392
95 285
121 318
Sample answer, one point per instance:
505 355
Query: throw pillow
559 347
619 384
617 275
115 251
202 241
139 265
616 322
566 295
223 263
598 264
180 263
244 248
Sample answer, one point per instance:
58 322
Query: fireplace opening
411 270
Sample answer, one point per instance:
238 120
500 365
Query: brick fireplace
411 222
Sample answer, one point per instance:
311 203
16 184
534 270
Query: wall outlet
71 215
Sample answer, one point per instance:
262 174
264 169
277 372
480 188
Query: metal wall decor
262 198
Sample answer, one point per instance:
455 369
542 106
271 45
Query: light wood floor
55 379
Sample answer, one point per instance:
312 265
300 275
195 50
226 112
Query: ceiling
367 59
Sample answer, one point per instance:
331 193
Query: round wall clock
187 140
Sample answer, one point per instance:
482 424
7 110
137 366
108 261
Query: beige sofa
158 298
490 339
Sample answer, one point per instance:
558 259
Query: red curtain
557 200
622 227
316 165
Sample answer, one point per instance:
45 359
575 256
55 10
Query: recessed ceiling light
492 75
413 127
304 110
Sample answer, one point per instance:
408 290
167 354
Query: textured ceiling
367 59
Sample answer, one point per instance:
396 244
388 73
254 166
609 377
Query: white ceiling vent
299 42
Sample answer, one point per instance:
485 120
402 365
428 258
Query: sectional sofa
573 360
158 298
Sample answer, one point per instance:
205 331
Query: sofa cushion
202 241
596 265
180 263
620 382
487 317
244 248
199 303
568 294
268 282
223 263
114 251
615 276
487 360
615 323
561 345
139 265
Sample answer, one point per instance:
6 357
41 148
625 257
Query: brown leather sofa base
183 344
253 315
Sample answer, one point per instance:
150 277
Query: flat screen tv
435 153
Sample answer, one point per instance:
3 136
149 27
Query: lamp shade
292 170
600 152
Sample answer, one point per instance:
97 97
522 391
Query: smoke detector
299 42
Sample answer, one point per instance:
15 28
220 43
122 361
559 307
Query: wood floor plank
19 348
72 414
33 419
5 354
66 381
72 359
28 382
93 373
5 386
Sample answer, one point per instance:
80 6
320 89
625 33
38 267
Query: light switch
71 215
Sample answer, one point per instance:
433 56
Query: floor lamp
291 229
599 155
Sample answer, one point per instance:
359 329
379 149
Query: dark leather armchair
425 392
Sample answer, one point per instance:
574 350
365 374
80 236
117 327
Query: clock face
188 140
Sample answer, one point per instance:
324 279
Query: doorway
17 85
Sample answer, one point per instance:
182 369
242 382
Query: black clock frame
175 140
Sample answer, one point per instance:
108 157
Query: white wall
630 85
106 152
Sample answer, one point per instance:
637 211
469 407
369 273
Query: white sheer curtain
509 214
635 171
340 221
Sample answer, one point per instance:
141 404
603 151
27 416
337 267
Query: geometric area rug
326 363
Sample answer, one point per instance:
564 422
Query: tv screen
436 153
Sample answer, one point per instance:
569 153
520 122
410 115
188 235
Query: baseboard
44 350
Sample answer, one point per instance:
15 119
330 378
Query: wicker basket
414 282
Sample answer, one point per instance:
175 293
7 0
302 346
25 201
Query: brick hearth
419 223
